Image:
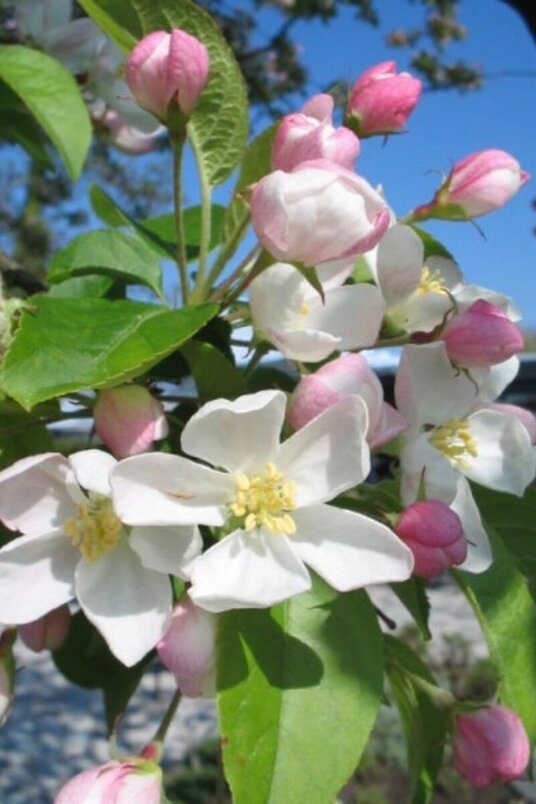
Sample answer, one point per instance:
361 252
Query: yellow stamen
454 440
431 282
264 501
304 309
96 529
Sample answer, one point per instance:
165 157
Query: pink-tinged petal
128 604
38 493
382 100
328 455
168 550
36 576
239 435
349 550
434 534
505 459
131 782
129 419
479 555
311 398
92 468
162 489
400 263
319 106
481 335
49 632
248 570
482 182
390 425
187 69
526 417
76 790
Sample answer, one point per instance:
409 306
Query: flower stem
200 291
162 730
177 141
226 252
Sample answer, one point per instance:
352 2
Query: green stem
258 353
226 252
178 141
199 291
400 341
250 257
162 730
441 698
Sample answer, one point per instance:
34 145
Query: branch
16 276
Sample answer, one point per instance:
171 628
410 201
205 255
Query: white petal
479 556
423 313
333 274
36 493
308 345
420 461
243 434
277 296
92 468
328 455
505 457
36 576
128 604
247 570
400 263
161 489
349 550
497 379
169 550
467 294
352 313
449 272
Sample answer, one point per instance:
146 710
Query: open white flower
271 497
74 545
293 317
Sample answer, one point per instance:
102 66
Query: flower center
431 282
96 529
264 501
454 440
304 309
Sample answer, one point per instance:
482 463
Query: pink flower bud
490 745
129 419
134 781
526 417
476 185
48 632
381 101
310 134
481 336
349 374
317 213
435 536
167 69
187 649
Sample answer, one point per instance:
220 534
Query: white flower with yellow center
452 437
269 500
74 546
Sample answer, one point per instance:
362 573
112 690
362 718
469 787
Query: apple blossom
292 316
129 419
349 374
133 781
74 545
270 499
482 335
434 534
490 745
317 213
166 70
310 134
49 632
188 649
382 100
125 137
478 184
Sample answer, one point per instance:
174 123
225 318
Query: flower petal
239 435
38 493
479 555
36 576
169 550
400 263
92 468
160 489
420 461
128 604
349 550
247 570
352 313
329 455
308 345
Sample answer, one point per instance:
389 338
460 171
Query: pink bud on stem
382 100
435 536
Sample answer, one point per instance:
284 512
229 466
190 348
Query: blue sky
445 127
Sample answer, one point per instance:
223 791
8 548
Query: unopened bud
382 100
481 336
129 420
48 632
435 536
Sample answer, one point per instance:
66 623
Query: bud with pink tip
490 745
435 536
167 70
133 781
481 336
317 213
48 632
187 649
129 419
310 134
347 375
7 671
382 100
478 184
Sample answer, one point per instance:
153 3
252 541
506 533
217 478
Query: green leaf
412 595
85 660
214 375
54 99
94 286
164 227
299 690
219 122
67 345
506 612
21 434
17 125
424 725
111 253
